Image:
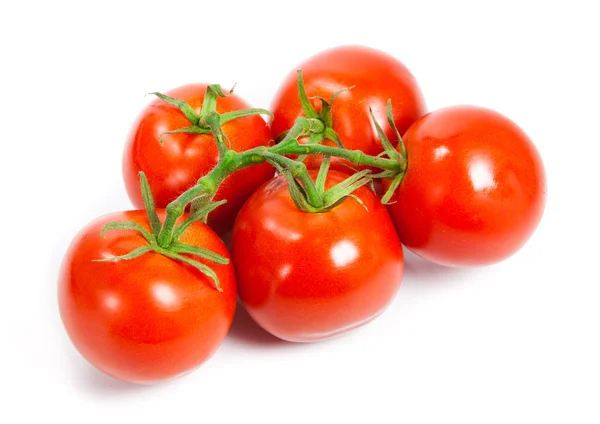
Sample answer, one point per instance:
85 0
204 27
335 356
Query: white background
515 342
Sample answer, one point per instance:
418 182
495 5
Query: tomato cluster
316 248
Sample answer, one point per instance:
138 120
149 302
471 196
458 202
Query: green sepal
337 93
360 202
131 255
206 270
229 116
199 215
190 249
209 104
307 107
349 166
187 110
392 188
185 130
390 118
322 175
325 115
384 174
297 192
149 204
330 134
342 190
388 148
128 225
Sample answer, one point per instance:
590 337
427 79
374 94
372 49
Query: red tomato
474 191
146 319
307 277
376 77
177 165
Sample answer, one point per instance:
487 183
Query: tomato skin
147 319
307 277
376 77
175 166
474 191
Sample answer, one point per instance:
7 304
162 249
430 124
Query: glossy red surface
177 165
145 319
306 277
475 187
376 77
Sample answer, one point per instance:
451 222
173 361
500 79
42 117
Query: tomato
475 188
146 319
177 165
311 276
375 77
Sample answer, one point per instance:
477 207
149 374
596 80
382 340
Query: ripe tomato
474 191
177 165
146 319
311 276
375 77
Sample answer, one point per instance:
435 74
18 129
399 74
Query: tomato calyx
198 120
176 249
322 119
311 197
390 152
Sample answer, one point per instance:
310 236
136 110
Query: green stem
302 127
298 170
357 157
233 161
213 120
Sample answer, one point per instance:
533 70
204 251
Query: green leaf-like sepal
128 225
390 118
322 176
337 193
235 114
297 192
209 104
392 188
391 152
190 249
206 270
330 134
184 130
360 202
307 107
149 204
199 215
131 255
185 108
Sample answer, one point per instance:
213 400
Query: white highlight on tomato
112 302
164 294
440 152
285 270
283 232
481 175
344 253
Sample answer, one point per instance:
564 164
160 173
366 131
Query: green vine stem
231 161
